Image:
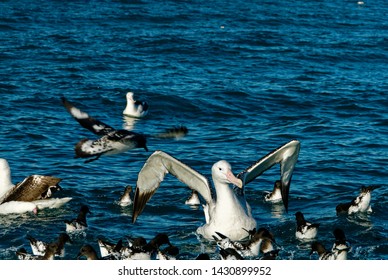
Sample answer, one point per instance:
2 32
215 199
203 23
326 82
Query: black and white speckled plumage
112 141
32 193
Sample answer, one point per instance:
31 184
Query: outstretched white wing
153 173
286 156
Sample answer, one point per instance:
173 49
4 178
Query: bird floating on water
324 254
125 199
33 193
135 108
276 194
111 141
360 204
139 249
305 229
78 224
193 199
49 254
228 212
39 247
90 253
341 246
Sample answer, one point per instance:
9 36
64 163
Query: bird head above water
222 173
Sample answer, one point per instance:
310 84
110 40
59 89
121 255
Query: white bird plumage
135 108
229 212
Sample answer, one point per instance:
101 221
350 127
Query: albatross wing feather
153 173
31 188
286 156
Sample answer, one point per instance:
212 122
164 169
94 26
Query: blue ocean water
244 78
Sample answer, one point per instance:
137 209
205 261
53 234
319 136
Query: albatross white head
222 174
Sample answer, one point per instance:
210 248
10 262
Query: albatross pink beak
233 179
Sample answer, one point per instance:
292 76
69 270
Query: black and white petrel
323 254
305 229
276 194
341 246
49 254
112 141
39 247
78 224
360 204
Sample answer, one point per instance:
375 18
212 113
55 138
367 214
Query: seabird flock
229 223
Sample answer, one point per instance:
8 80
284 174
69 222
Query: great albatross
135 108
228 212
34 192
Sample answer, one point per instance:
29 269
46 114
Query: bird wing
31 188
173 132
86 121
286 156
154 172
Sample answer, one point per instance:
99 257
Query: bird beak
145 148
234 180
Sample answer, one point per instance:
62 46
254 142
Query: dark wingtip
285 190
135 211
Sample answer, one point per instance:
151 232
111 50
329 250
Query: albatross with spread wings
228 212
